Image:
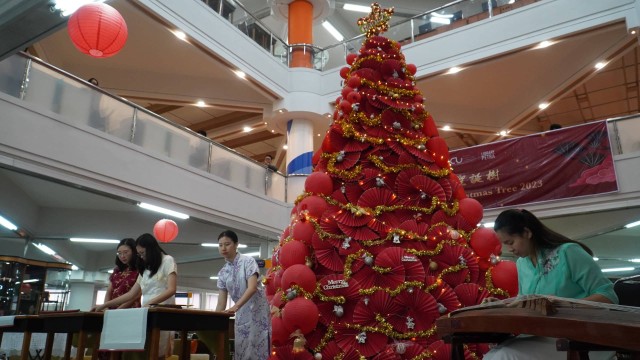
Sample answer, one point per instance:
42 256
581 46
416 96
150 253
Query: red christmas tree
383 241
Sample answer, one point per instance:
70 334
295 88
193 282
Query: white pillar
299 154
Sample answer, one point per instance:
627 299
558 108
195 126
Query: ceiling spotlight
247 129
543 106
503 133
600 65
544 44
454 70
180 34
240 74
285 146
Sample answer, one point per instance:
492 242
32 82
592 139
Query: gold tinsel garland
403 286
328 335
387 329
334 299
379 86
394 169
360 117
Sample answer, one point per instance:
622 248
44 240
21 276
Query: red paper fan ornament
427 186
390 259
327 254
287 352
366 343
442 351
334 286
409 350
470 294
419 310
445 296
333 351
370 305
377 197
389 353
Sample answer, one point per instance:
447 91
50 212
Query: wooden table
183 320
26 324
82 323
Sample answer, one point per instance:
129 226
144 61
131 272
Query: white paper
124 329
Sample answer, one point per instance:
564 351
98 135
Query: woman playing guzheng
548 264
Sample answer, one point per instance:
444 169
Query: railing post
133 124
413 38
25 79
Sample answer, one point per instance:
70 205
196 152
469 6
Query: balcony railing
424 25
83 104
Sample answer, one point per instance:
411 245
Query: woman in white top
156 282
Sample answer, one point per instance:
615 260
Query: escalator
23 22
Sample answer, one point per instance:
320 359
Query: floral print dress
252 320
122 282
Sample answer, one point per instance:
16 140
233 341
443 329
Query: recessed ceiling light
544 44
446 128
273 131
247 129
454 70
240 246
95 241
8 224
503 133
543 106
332 30
180 34
620 269
240 74
633 224
358 8
595 258
600 65
163 210
200 103
285 146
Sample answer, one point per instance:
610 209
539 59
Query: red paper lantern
314 205
279 333
98 30
471 211
165 230
303 231
319 183
300 313
293 252
485 242
505 276
299 275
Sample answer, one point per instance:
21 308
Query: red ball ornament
319 183
345 91
505 276
354 81
344 72
97 30
345 106
351 58
165 230
412 69
354 97
485 242
300 313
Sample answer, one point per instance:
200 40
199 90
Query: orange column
300 32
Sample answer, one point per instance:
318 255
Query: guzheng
578 320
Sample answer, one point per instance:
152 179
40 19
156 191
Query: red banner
560 164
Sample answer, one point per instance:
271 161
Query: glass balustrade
429 23
82 104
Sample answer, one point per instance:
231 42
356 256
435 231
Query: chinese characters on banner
560 164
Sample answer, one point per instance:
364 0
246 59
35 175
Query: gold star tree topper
376 22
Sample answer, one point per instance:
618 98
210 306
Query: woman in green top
548 264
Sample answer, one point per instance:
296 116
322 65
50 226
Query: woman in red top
124 274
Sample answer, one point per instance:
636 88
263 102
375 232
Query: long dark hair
514 222
230 234
153 254
133 263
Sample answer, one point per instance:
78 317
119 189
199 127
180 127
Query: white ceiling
157 71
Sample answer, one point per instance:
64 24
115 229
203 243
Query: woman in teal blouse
548 264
